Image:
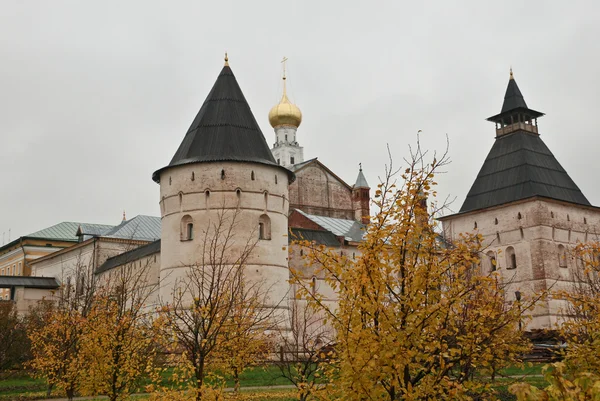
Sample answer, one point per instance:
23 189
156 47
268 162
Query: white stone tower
285 117
530 213
224 165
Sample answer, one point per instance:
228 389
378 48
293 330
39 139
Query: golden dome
285 113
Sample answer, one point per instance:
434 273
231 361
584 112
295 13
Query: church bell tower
285 118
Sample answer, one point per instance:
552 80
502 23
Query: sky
95 96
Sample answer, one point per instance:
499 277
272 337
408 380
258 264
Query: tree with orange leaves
414 317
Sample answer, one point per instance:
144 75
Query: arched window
180 198
475 226
562 256
187 228
492 261
264 227
511 258
275 178
252 175
193 176
496 221
222 174
313 285
207 198
519 216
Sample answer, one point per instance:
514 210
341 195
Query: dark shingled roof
320 237
129 256
514 103
224 130
28 282
513 99
520 166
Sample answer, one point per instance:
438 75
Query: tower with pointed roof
285 118
527 208
224 166
361 198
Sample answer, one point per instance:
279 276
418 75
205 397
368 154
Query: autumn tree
414 315
56 340
304 348
118 342
14 344
581 325
248 332
217 317
577 377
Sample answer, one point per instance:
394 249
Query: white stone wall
92 254
148 269
202 191
26 298
534 229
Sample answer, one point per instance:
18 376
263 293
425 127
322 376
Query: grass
23 387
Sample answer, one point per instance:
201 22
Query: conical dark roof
514 103
224 130
520 166
513 99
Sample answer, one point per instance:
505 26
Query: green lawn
23 387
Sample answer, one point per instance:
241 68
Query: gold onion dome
285 113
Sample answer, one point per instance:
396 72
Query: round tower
223 171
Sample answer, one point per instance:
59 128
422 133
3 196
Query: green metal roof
65 231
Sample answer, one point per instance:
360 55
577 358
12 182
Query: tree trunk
199 378
236 381
70 393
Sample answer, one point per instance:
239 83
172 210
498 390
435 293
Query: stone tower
224 165
285 118
528 209
361 198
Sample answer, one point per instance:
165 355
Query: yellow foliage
562 386
415 316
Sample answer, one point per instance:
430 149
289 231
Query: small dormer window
292 160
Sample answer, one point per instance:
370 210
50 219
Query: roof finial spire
124 218
360 166
284 77
511 73
226 60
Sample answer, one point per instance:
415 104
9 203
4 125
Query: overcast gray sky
95 96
